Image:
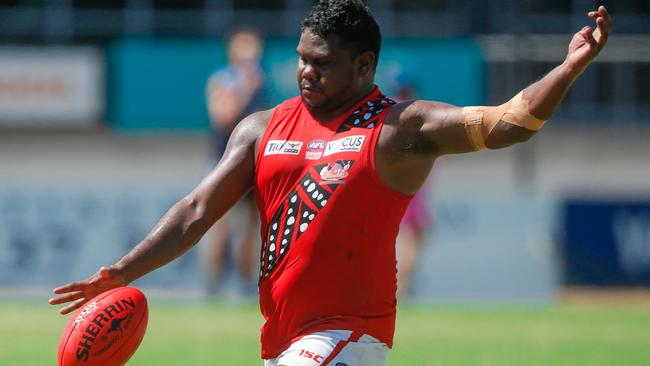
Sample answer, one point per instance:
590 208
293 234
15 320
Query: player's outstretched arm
185 222
452 129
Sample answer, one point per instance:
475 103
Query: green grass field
217 334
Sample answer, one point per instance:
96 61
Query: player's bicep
440 126
233 176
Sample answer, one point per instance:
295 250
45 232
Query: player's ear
365 63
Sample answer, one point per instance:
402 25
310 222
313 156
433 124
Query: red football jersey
328 225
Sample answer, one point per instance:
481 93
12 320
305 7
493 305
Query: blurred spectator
233 92
416 224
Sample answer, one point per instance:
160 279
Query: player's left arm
450 129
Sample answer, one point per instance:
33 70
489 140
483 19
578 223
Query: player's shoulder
411 113
407 122
289 104
253 126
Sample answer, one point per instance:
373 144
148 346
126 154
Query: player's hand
80 292
587 43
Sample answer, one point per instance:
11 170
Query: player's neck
332 114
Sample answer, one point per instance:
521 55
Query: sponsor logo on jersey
315 149
335 172
345 144
277 147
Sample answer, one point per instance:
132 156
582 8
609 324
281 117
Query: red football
106 330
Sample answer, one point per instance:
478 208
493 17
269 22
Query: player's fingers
592 41
602 30
104 272
603 11
584 34
587 34
73 286
605 15
66 298
75 305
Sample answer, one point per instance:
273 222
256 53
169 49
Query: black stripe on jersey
268 252
366 115
318 194
290 222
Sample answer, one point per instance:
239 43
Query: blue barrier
607 243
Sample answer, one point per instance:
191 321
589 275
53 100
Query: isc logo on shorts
346 144
276 147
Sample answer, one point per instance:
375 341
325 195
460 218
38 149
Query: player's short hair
350 20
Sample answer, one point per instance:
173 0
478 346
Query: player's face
327 73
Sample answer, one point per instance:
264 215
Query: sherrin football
106 330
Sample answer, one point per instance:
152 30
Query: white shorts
334 348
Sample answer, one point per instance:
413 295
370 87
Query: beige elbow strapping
479 121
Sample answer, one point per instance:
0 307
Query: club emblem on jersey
335 172
345 144
277 147
315 149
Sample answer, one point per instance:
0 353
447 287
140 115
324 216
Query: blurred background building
103 125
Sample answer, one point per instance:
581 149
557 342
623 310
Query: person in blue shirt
232 93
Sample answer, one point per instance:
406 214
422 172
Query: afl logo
315 150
